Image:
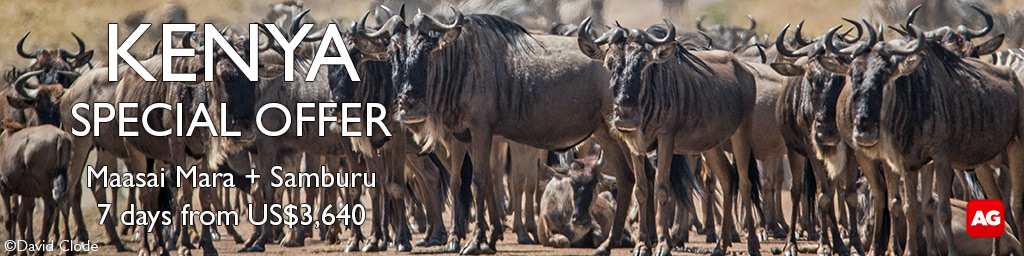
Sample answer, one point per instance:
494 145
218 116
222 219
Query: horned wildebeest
59 65
34 164
728 37
532 14
441 102
806 111
577 205
911 101
202 150
718 100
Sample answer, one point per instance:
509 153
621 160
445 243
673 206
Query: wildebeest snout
625 118
410 110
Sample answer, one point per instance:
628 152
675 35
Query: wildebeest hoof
415 229
184 252
452 247
404 247
642 251
753 253
470 249
431 243
526 240
662 249
421 243
215 237
143 252
292 243
776 251
354 247
711 237
371 247
256 248
718 252
601 251
210 253
487 249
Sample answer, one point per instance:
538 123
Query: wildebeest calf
577 206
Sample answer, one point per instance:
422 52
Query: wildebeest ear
833 64
788 69
909 64
82 59
560 171
19 102
448 37
591 49
991 45
663 52
271 71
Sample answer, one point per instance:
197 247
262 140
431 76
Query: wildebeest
59 65
911 101
676 101
728 37
442 103
34 164
806 110
577 205
532 14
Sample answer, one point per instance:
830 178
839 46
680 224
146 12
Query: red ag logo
985 218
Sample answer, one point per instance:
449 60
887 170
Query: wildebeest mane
478 58
659 101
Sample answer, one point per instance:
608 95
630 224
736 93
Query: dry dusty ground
315 246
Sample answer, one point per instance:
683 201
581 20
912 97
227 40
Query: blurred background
52 21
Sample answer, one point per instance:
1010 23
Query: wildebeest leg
482 140
352 197
378 203
148 201
773 222
723 171
663 200
710 199
645 206
76 213
9 219
132 199
943 180
744 159
616 161
396 191
797 164
850 200
826 208
99 192
898 222
263 197
913 209
986 177
49 209
880 236
301 232
460 206
530 190
926 201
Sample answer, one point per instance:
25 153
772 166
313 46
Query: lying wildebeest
446 96
654 107
34 164
577 205
911 101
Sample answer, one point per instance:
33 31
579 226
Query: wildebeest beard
375 87
438 79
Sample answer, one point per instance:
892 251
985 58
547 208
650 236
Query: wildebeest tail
444 177
973 185
60 183
684 183
810 185
754 175
466 190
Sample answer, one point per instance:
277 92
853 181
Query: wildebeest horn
186 42
297 22
912 15
21 51
670 37
917 47
856 25
872 34
699 20
384 31
435 25
830 44
798 36
600 159
971 33
81 48
780 43
156 48
611 35
706 38
898 30
19 85
380 18
753 23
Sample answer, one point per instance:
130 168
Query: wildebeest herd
592 135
